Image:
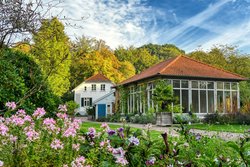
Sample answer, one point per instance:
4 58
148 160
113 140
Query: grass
221 128
154 134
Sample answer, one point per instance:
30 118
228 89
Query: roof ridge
93 76
173 61
221 69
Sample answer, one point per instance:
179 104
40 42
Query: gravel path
172 130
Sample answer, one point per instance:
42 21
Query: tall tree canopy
163 52
91 56
140 58
52 52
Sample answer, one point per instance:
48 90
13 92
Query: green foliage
86 62
90 111
21 78
163 52
163 96
185 118
234 118
140 58
51 51
71 106
143 118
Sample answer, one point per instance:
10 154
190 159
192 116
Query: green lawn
96 125
221 128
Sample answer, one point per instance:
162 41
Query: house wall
109 101
198 96
80 93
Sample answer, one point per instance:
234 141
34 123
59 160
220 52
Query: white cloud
116 22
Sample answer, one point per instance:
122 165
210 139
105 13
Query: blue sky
189 24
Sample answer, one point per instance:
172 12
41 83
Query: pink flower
13 139
118 152
3 129
102 143
62 108
1 163
62 115
70 132
121 161
31 133
76 146
11 105
21 112
39 113
27 118
50 125
105 126
18 121
56 144
2 119
78 162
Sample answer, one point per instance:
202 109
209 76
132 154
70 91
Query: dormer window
93 87
102 87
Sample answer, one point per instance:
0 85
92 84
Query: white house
96 91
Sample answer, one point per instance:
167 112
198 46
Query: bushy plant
185 118
144 118
71 107
21 80
230 118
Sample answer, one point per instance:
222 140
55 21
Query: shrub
143 118
185 118
20 75
232 118
71 106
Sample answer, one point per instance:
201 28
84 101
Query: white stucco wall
108 100
79 93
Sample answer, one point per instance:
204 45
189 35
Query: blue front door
101 110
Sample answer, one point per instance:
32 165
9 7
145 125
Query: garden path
173 130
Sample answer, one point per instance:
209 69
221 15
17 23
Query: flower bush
32 140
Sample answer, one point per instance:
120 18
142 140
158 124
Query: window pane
195 102
210 101
185 101
194 84
210 85
93 87
235 102
227 85
203 84
184 84
176 83
177 95
220 103
102 87
203 102
228 101
168 81
219 85
234 85
82 102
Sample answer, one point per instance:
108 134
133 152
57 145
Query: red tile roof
98 78
183 66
